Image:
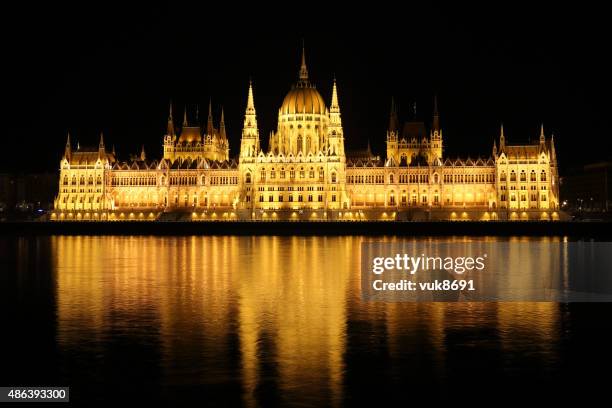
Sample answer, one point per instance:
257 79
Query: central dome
303 99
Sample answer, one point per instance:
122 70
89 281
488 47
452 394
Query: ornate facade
305 173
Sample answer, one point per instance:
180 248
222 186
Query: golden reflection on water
288 300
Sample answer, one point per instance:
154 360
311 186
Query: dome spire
303 68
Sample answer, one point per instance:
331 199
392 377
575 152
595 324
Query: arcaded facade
305 173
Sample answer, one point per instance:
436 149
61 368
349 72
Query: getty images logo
413 264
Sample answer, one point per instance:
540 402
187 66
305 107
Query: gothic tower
436 134
249 144
335 134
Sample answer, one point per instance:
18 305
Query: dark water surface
266 321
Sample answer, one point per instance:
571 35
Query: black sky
111 68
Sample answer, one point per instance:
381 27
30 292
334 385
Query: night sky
86 69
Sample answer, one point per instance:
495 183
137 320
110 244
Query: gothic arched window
299 143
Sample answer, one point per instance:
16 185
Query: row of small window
282 175
413 200
468 178
292 188
523 176
81 180
80 199
291 119
523 187
174 181
222 180
290 198
133 181
82 190
366 178
380 178
421 178
534 197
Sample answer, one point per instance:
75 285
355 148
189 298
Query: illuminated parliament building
306 174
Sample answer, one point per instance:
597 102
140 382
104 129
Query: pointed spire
250 100
393 120
303 68
249 145
222 125
542 137
334 101
185 124
113 151
101 149
250 118
494 148
436 115
210 128
170 127
143 156
502 139
553 153
68 148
